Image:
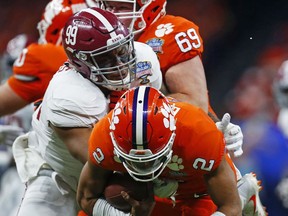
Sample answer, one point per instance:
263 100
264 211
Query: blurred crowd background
245 42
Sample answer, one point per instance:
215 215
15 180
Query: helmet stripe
103 20
139 118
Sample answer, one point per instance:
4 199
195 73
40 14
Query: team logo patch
143 70
164 29
156 44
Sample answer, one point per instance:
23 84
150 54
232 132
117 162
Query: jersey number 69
188 40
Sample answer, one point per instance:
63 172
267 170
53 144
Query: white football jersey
74 101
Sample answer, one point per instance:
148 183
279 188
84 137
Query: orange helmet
144 12
142 130
54 17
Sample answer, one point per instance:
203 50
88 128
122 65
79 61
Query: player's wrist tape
103 208
217 213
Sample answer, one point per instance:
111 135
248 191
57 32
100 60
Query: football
124 182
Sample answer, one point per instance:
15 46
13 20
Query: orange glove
114 97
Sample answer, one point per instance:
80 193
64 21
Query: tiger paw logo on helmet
164 29
169 120
115 119
167 111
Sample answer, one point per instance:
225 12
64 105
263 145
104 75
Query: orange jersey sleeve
34 69
174 39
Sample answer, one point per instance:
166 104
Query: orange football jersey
33 70
174 39
198 149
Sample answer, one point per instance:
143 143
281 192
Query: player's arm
222 188
92 182
91 186
186 82
76 140
10 102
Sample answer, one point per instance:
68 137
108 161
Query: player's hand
233 135
8 133
114 97
140 208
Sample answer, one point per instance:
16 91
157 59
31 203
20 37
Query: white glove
8 133
233 135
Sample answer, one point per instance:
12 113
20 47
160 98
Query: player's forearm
10 102
222 189
87 193
188 98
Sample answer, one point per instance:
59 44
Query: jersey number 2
98 155
201 163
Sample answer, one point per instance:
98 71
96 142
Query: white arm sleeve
103 208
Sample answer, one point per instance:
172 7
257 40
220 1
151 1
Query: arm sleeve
103 208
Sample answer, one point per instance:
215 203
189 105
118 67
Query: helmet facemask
112 67
139 13
127 17
143 165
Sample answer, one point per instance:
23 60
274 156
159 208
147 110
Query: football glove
233 135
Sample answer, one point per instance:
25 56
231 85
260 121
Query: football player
102 57
175 145
179 48
13 125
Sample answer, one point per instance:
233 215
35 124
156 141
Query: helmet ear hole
125 110
156 110
55 31
155 9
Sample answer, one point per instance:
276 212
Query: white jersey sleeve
148 70
69 101
74 101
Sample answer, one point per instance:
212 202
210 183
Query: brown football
124 182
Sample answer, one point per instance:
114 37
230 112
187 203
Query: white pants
43 198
